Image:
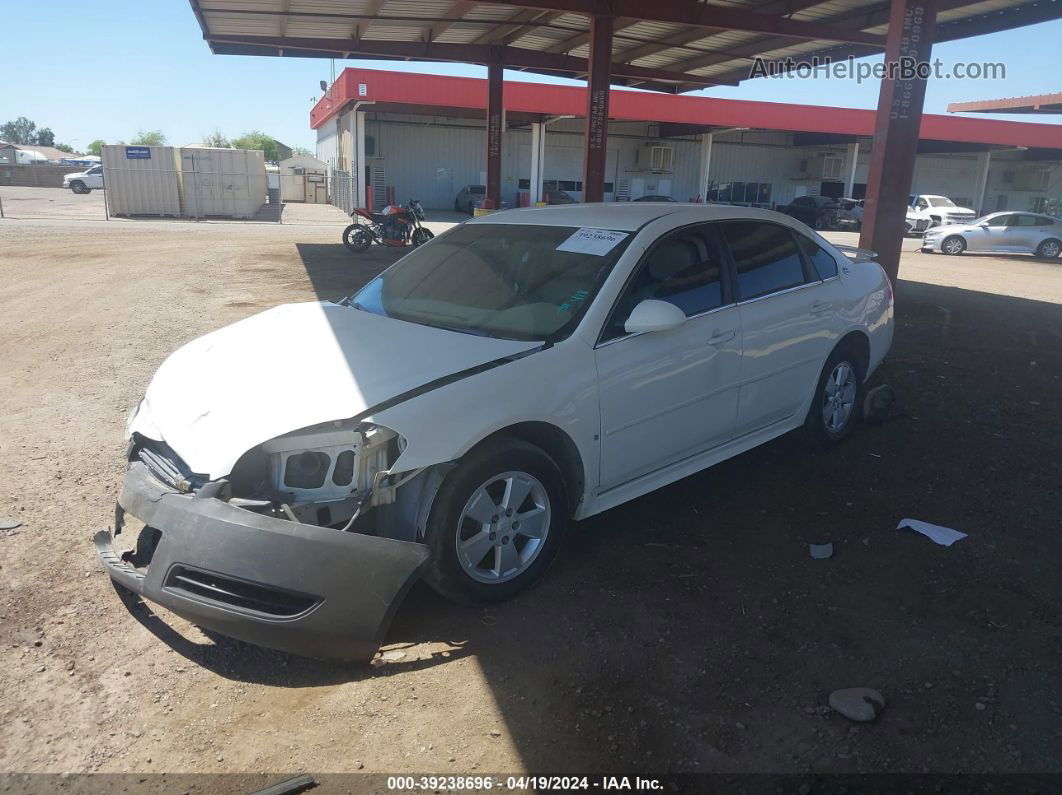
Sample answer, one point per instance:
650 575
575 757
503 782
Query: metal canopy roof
668 45
1039 103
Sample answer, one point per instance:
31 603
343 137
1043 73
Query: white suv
85 181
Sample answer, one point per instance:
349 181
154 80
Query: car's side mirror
653 315
984 223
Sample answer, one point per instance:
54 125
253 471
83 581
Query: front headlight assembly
329 462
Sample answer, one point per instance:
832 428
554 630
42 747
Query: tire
954 245
480 485
1049 249
825 433
356 239
421 236
457 206
79 187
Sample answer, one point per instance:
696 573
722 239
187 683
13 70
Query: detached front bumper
295 587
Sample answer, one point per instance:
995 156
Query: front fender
557 386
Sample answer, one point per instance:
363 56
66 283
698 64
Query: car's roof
627 216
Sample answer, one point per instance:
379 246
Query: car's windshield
515 281
940 201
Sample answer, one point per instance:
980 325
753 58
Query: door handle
718 336
821 307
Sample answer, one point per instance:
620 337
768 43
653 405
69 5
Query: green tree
217 139
44 137
149 138
256 139
19 131
301 150
96 147
63 147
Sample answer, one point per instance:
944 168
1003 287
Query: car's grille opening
237 593
166 465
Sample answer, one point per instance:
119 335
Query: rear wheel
834 411
1049 249
356 239
496 523
953 245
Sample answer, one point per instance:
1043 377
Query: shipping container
223 183
141 180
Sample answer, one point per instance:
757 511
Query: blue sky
103 70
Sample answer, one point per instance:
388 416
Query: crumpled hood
291 367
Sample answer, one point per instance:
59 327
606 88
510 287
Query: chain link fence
179 184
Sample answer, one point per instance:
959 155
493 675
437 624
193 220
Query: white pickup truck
85 181
937 211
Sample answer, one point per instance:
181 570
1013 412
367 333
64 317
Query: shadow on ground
690 630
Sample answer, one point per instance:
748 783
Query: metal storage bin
227 183
141 180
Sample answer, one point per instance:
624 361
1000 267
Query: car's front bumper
295 587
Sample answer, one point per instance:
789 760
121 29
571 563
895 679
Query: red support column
495 117
599 66
899 116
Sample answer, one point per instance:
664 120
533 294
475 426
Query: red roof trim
437 91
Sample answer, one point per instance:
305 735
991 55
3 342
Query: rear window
765 256
821 259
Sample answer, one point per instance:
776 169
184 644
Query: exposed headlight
328 462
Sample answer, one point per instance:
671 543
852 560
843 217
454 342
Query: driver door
667 395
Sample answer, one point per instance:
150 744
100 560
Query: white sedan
1000 233
295 472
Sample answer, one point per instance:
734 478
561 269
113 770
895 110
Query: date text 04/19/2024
523 783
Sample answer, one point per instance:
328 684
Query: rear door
789 318
666 395
1024 232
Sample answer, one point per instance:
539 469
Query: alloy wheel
838 399
503 527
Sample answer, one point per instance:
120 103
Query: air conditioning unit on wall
658 159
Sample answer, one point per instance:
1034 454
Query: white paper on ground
944 536
592 241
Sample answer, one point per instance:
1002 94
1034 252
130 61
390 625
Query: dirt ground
686 631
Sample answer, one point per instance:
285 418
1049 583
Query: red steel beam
899 115
495 124
688 12
512 57
597 93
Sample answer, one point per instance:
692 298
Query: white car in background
1002 233
85 181
296 471
937 211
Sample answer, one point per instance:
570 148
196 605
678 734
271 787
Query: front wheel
496 523
834 411
421 236
356 239
953 245
1049 249
79 187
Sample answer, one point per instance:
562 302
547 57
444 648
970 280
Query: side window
1043 220
765 257
821 259
1020 219
684 269
1000 220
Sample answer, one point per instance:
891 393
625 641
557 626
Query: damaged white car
297 471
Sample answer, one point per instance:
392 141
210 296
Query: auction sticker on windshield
592 241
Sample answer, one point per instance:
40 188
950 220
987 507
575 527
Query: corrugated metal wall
431 158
